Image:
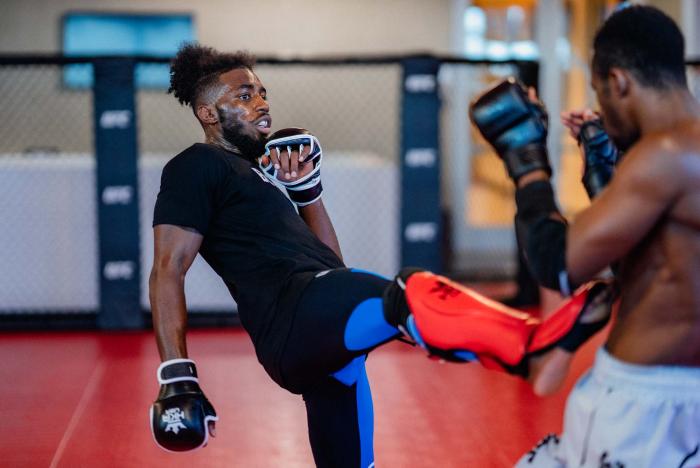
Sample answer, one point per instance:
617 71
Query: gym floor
81 399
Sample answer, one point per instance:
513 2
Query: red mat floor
82 399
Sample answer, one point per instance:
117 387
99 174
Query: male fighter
639 406
250 204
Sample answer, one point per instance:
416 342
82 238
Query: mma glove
514 125
307 189
180 415
600 156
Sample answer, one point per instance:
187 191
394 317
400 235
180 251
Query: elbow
167 268
578 267
163 282
588 256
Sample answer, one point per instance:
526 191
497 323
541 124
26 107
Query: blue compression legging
339 319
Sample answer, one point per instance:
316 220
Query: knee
367 326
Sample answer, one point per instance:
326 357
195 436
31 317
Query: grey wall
351 109
308 27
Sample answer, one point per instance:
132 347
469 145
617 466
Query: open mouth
263 124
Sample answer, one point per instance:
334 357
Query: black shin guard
542 236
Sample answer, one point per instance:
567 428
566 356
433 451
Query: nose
261 104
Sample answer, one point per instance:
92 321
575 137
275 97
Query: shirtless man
639 406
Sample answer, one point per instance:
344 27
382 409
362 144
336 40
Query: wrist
534 176
177 370
311 207
306 194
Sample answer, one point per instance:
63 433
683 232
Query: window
95 34
499 32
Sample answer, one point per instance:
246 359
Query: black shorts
316 347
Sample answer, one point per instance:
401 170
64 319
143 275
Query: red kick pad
561 321
450 316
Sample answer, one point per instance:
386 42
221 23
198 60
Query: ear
620 82
207 114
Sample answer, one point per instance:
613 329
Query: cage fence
50 242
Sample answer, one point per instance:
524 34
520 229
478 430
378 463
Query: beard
235 132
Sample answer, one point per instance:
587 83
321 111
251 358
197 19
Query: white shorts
626 415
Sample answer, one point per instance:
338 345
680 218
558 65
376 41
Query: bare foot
548 372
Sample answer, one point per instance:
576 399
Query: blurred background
86 127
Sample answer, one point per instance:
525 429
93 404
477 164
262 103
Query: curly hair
195 68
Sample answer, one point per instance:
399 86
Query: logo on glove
173 418
444 290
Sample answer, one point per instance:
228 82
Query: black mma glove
181 414
307 189
601 155
515 126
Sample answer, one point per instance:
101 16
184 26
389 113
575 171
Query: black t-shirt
253 237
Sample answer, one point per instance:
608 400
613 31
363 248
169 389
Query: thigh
567 449
545 454
646 429
338 318
609 425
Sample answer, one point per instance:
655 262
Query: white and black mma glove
306 189
181 414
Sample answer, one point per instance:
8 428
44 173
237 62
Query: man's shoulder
689 139
199 150
199 157
682 139
208 162
660 164
203 153
654 150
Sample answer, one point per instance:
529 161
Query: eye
244 97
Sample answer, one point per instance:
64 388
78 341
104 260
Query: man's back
659 317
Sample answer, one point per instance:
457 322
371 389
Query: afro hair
196 66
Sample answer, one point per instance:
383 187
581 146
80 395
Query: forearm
167 296
182 418
514 122
316 217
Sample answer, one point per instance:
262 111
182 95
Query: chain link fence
49 239
48 246
49 243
